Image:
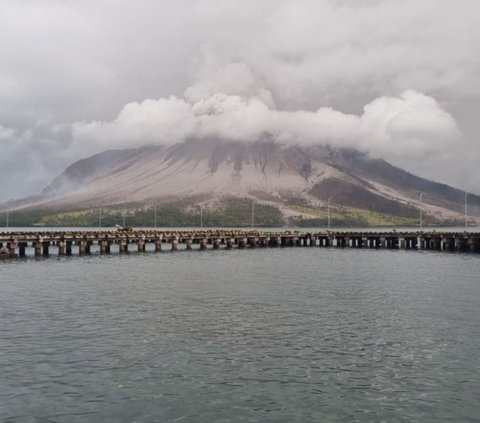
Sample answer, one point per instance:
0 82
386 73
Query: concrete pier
38 244
12 248
104 246
174 243
122 246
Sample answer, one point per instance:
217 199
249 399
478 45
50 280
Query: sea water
253 335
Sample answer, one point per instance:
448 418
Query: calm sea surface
265 335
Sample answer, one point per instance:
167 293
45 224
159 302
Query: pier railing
38 244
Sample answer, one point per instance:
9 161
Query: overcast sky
399 79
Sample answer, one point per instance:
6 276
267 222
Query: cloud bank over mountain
402 126
398 79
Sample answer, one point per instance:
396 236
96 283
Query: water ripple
290 335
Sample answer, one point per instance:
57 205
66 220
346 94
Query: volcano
297 180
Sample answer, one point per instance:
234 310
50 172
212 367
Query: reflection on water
275 335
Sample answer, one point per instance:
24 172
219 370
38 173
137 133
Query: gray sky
399 79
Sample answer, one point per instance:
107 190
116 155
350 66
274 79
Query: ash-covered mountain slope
81 172
283 175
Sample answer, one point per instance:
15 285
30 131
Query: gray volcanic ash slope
292 178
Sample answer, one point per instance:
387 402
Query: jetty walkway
38 244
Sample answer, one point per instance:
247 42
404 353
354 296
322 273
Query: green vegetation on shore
231 213
234 213
348 216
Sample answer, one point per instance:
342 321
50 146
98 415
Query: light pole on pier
155 216
6 222
466 214
124 214
100 217
253 214
201 216
421 210
328 210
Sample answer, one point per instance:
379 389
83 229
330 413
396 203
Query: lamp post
201 216
155 216
253 214
328 213
6 223
100 217
466 215
124 214
421 210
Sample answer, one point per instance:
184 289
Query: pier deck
15 244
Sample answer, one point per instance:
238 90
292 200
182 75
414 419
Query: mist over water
266 335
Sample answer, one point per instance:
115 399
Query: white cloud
407 125
402 126
307 68
231 79
25 160
6 133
